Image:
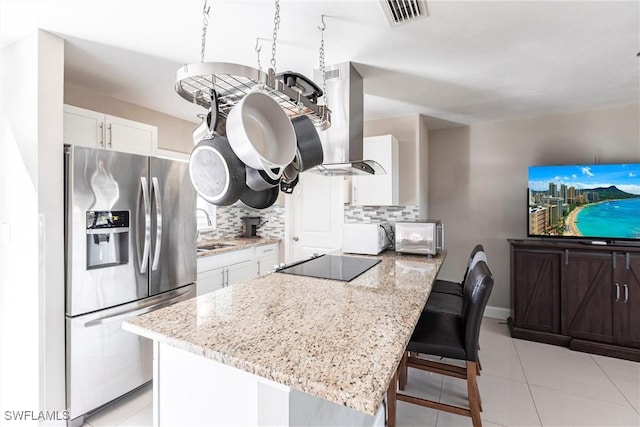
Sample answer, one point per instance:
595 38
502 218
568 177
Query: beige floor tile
625 375
143 418
409 415
423 384
504 402
566 370
560 409
123 409
447 419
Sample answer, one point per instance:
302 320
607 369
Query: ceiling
468 62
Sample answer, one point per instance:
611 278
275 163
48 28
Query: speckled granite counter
233 244
335 340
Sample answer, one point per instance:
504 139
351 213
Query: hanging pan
259 199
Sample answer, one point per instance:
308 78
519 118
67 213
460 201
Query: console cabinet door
536 287
588 295
628 308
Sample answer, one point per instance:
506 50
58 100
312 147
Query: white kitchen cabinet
97 130
218 271
239 272
378 190
266 257
210 280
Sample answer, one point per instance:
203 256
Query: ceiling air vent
401 11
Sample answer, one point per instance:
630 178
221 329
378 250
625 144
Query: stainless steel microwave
420 237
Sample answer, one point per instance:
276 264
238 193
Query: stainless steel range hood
342 142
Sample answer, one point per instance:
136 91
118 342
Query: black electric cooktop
335 267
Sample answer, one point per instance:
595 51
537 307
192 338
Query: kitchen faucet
208 222
207 215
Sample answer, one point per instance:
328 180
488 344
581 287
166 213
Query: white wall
478 177
31 237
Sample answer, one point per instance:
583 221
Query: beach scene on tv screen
595 201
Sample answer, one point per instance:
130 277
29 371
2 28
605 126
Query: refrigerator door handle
137 312
158 197
144 260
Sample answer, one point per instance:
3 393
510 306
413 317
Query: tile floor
523 383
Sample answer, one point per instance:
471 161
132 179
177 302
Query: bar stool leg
474 394
391 400
403 371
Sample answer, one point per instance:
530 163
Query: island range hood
342 143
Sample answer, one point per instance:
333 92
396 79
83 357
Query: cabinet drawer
266 250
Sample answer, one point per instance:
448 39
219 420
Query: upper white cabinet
97 130
378 190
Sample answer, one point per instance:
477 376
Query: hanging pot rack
231 82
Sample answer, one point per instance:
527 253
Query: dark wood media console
580 295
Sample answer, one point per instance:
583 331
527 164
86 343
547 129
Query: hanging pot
261 134
309 147
258 180
216 172
258 199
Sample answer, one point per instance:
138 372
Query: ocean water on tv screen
611 219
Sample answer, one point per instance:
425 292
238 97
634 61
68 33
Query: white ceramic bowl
261 134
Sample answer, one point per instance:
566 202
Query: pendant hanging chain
276 26
322 67
205 24
258 48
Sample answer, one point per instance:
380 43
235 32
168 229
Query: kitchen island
286 349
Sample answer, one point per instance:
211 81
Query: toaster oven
420 237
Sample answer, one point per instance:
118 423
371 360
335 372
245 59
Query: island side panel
193 390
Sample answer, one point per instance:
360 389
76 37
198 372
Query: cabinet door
588 296
266 258
378 190
627 323
83 127
130 137
239 272
210 281
536 290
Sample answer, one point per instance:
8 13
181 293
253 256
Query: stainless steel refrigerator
130 248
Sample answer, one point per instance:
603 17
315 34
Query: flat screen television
591 202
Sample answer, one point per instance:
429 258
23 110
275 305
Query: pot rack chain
205 24
321 60
196 82
258 48
276 27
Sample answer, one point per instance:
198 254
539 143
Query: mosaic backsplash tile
381 213
229 222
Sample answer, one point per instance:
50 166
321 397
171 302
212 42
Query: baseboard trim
497 312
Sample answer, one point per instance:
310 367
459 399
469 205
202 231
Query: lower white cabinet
211 280
266 259
218 271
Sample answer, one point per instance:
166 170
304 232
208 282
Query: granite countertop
233 244
335 340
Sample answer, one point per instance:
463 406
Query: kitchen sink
212 246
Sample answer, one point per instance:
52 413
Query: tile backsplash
229 222
381 213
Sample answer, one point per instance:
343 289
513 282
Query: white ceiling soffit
403 11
